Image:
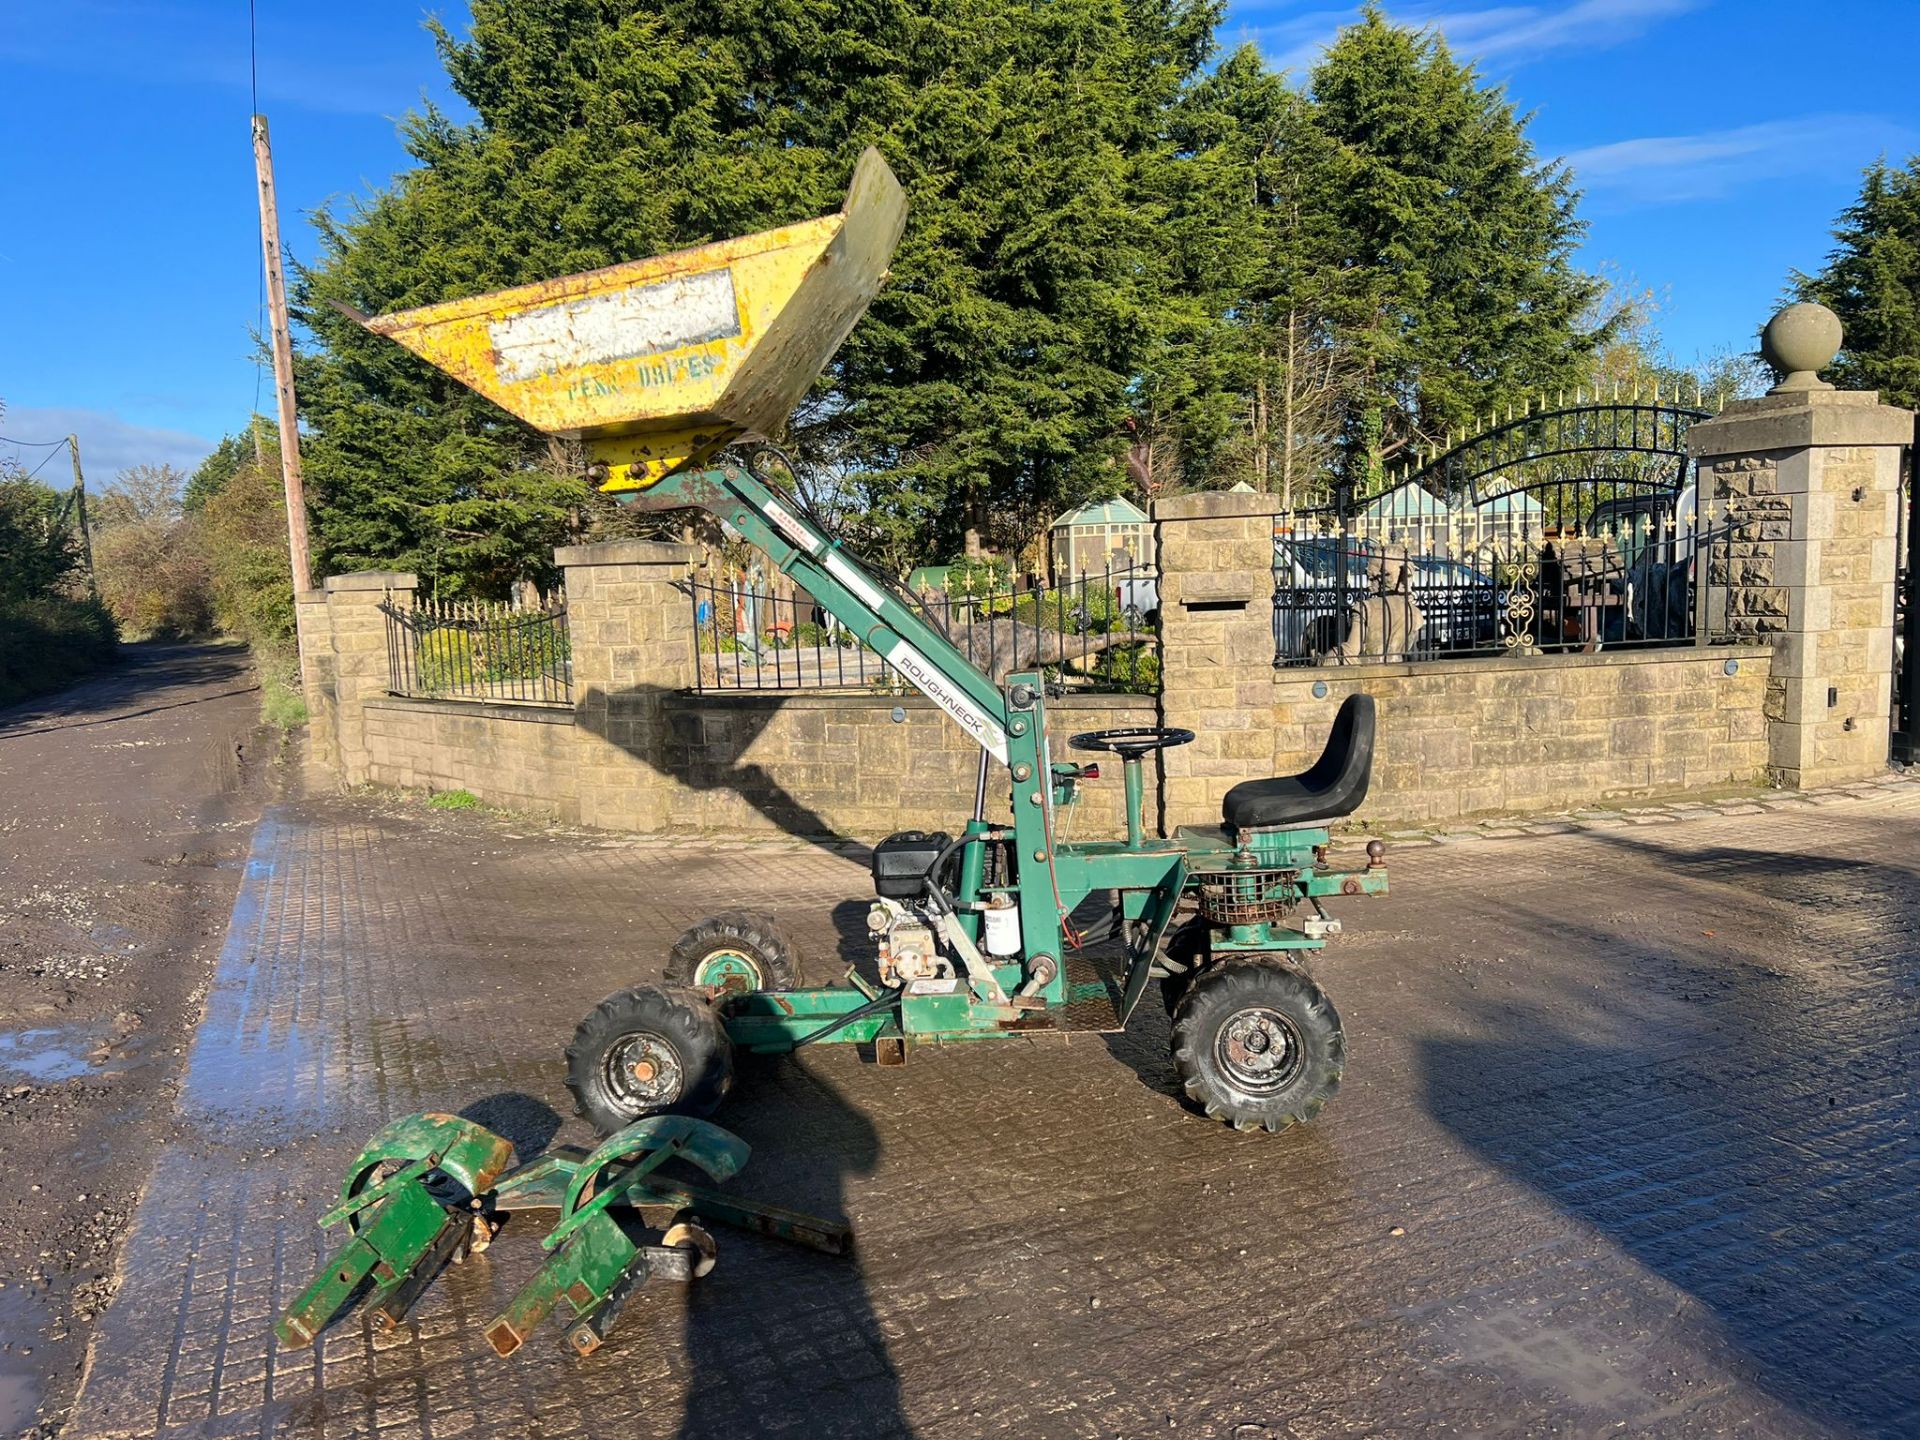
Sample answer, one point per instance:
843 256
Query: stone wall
1743 517
1536 733
866 766
1812 478
858 766
1469 738
519 757
1216 664
638 751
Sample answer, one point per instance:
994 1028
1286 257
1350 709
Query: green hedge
50 642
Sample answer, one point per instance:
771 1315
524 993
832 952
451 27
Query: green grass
454 800
281 703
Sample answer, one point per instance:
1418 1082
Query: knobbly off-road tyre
649 1050
740 950
1257 1045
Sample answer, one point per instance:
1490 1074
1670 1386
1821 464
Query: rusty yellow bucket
659 363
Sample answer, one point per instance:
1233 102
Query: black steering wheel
1133 742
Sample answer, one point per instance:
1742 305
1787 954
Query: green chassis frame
1049 877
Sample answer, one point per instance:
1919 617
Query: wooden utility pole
80 504
282 361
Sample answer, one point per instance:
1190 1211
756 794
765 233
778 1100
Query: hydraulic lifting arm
886 621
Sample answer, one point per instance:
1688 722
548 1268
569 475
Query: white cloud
1666 169
1511 33
108 444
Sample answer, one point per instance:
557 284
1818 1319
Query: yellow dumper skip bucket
659 363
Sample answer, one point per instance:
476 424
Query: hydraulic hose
888 1001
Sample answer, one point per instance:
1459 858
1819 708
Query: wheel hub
644 1071
1260 1050
729 970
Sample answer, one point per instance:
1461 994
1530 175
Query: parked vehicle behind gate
1319 579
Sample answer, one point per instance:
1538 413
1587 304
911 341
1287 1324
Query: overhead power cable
51 456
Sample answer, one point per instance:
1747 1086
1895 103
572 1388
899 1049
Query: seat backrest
1347 761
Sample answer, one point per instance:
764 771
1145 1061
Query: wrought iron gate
1577 527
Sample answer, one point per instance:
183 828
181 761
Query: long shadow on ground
1765 1161
835 1376
134 687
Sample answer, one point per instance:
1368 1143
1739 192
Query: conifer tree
1458 289
990 383
1120 267
1872 282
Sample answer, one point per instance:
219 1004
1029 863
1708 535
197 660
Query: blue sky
1715 139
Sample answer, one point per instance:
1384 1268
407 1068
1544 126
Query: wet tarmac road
126 806
1627 1146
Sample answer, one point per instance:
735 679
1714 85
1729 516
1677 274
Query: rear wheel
1258 1045
740 950
649 1051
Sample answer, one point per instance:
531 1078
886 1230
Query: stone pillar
313 633
1807 482
1216 646
630 628
358 640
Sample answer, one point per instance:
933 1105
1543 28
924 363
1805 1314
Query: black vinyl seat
1333 786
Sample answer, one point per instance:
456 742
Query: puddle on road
19 1381
52 1054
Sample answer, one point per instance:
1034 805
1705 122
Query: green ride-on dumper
663 368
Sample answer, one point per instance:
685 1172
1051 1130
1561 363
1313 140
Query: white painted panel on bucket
668 315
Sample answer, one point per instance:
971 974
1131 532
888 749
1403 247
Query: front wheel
1258 1045
649 1051
741 950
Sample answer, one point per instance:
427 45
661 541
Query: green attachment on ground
830 1237
398 1180
414 1196
597 1263
403 1241
612 1174
585 1273
409 1200
470 1154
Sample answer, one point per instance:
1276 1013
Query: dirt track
126 805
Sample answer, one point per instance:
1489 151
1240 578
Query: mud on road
126 804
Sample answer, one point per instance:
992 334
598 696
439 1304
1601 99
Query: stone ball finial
1801 340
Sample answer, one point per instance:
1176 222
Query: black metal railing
1096 632
1562 442
1568 567
467 650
